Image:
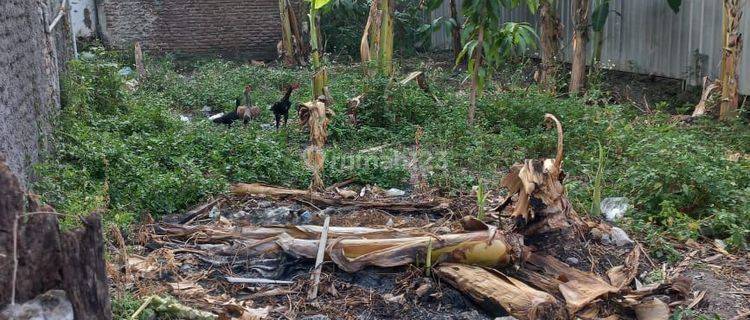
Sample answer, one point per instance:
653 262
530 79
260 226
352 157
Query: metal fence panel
647 37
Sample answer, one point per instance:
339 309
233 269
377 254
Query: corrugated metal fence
646 36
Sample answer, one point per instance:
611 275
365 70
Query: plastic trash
125 71
393 192
614 208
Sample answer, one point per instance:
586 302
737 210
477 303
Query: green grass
129 152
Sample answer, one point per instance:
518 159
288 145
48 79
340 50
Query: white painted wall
83 17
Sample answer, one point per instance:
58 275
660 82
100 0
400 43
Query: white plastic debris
617 237
214 213
53 304
184 118
125 72
393 192
206 111
277 215
614 208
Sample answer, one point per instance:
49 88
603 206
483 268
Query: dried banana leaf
494 290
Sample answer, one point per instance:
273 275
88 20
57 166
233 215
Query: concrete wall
228 28
29 81
83 18
646 36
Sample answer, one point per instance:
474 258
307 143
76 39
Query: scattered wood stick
319 260
141 308
257 280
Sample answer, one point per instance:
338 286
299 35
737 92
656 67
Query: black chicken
245 112
281 108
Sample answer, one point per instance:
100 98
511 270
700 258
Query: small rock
572 261
423 289
469 315
184 118
506 318
264 204
615 208
396 299
316 317
239 214
393 192
266 126
389 223
617 237
52 304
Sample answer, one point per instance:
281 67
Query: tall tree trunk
386 37
580 37
551 33
320 76
732 51
286 34
456 31
475 76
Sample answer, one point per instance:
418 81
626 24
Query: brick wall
29 85
228 28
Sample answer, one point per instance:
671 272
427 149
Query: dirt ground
384 293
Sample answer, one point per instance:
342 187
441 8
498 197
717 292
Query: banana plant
599 21
320 76
488 43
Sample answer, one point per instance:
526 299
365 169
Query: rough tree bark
730 60
320 75
580 38
551 33
286 34
475 77
46 258
386 37
456 31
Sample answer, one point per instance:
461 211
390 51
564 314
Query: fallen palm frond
542 205
494 290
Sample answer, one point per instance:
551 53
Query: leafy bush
130 153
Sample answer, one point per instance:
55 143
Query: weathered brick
246 29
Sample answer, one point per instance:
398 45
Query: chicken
246 111
281 108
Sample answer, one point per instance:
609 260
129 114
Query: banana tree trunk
456 31
551 34
580 37
320 76
495 291
294 23
386 37
477 65
598 41
286 34
369 45
731 53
